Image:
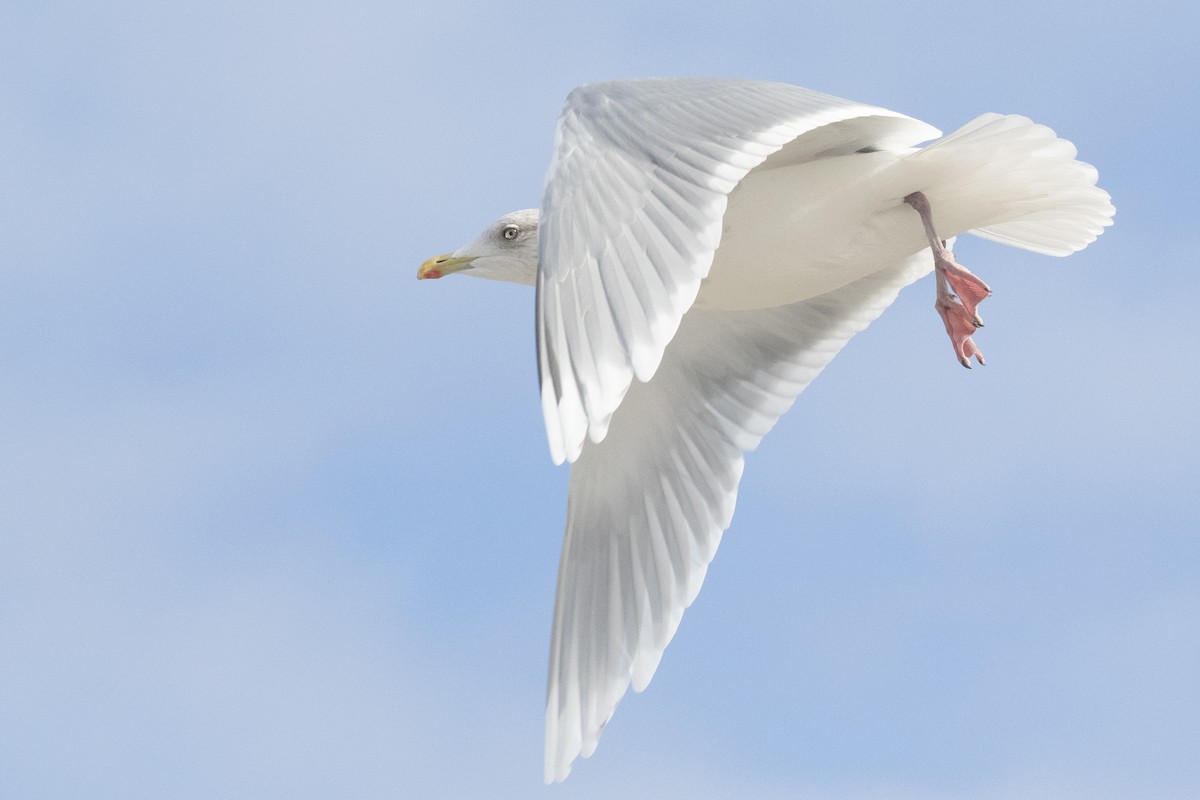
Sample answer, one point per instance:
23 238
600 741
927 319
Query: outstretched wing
648 504
631 218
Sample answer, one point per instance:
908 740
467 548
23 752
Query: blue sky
278 521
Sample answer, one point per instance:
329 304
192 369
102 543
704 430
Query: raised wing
631 218
648 504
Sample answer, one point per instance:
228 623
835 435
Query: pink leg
959 291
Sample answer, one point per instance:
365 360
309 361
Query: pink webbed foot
959 291
964 283
960 324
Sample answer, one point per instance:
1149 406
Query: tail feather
1015 182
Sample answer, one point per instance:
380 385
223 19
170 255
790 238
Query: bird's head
507 250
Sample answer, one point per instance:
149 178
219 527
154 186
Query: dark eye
510 232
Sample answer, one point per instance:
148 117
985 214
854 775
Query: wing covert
631 217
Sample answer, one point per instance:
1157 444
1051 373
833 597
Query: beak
438 266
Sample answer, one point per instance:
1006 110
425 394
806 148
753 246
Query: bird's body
848 227
703 250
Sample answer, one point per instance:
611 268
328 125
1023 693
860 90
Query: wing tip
554 437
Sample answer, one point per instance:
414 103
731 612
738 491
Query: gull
704 248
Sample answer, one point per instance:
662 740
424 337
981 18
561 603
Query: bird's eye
510 232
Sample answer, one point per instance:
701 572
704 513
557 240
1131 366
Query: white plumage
705 247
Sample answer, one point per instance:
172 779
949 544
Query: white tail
1015 182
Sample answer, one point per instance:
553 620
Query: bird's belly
795 232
